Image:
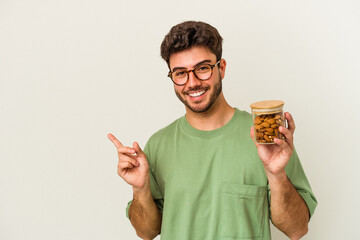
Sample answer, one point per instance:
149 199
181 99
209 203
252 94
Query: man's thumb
138 149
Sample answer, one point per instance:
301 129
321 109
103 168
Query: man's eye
203 68
180 73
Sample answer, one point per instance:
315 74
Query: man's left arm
289 212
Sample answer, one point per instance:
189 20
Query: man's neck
216 117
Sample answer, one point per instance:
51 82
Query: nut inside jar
267 127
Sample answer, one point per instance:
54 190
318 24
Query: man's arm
289 212
144 215
133 167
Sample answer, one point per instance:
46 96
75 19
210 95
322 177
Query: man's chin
198 109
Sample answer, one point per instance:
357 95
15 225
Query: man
203 177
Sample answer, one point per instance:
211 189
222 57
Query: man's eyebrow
196 65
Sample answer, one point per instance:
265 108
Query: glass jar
268 116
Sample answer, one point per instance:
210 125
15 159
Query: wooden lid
267 104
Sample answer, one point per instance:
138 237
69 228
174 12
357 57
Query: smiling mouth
196 94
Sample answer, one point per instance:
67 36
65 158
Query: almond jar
268 116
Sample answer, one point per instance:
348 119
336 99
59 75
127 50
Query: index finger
290 121
116 142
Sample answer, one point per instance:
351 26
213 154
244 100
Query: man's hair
191 34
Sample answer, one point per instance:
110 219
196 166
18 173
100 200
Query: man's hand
276 156
289 212
133 166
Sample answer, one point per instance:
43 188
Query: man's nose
193 80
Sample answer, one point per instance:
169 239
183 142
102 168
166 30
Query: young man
203 177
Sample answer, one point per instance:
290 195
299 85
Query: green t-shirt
212 184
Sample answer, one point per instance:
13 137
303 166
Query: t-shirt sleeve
154 187
159 201
296 175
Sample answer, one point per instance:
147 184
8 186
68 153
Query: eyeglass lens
202 72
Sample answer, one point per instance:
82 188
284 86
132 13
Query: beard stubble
213 97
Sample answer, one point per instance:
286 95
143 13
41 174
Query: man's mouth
196 94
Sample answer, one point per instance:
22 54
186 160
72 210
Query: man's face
197 95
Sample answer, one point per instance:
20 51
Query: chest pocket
244 211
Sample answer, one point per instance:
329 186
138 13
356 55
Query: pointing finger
116 142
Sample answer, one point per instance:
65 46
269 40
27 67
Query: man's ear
222 68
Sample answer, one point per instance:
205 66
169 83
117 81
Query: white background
72 71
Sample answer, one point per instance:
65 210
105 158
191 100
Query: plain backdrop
72 71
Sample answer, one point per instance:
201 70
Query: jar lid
267 104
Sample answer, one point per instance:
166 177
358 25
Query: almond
259 135
257 120
269 130
271 121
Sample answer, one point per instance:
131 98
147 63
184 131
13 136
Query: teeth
196 94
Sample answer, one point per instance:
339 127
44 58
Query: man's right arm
144 215
133 167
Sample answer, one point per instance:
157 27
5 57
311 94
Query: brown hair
190 34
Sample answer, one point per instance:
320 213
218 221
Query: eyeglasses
202 72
